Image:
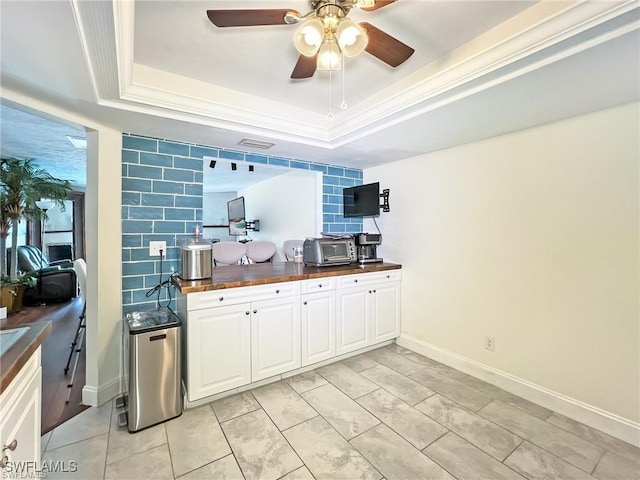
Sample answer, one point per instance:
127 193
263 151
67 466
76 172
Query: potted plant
22 183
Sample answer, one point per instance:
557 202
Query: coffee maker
366 245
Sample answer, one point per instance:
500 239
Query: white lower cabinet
368 310
318 326
20 411
218 350
242 335
275 337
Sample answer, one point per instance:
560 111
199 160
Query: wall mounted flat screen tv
361 201
236 215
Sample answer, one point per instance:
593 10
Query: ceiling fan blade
385 47
305 67
247 18
379 4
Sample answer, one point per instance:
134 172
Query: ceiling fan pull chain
343 105
330 114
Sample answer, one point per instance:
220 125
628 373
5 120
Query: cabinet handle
356 280
278 291
319 285
304 303
221 298
369 291
255 311
388 276
4 461
247 312
374 291
12 446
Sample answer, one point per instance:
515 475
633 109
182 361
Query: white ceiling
160 68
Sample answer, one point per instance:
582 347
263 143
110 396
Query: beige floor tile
536 463
343 413
613 467
565 445
234 406
306 381
89 423
123 444
452 388
259 447
153 464
326 453
350 382
601 439
487 436
285 407
83 460
396 361
301 473
463 460
400 385
195 439
394 457
359 363
225 468
411 424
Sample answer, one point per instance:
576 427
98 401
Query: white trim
94 397
612 424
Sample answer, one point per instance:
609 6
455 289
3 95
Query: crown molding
545 33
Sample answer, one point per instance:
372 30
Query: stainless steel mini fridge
153 366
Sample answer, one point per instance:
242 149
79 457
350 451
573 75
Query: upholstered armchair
57 281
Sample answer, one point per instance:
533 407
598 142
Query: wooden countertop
17 355
231 276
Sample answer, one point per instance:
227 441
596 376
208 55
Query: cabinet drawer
318 284
233 296
347 281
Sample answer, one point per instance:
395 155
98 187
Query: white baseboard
607 422
94 397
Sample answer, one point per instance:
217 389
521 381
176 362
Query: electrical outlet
155 247
490 343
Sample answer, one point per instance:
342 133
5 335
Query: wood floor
55 351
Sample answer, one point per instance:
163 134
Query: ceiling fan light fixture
308 37
352 39
365 3
329 55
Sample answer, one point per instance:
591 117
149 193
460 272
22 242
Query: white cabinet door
275 337
318 327
352 319
385 314
20 410
218 349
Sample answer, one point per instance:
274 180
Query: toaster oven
322 252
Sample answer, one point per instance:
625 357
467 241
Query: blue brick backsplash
162 200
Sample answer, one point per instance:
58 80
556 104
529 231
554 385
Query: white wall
532 238
288 206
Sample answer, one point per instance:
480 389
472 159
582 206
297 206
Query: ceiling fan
325 34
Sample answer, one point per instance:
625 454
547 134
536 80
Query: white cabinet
368 310
218 350
318 326
275 337
20 412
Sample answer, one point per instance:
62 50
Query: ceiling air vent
250 142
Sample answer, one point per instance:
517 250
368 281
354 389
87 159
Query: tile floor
389 413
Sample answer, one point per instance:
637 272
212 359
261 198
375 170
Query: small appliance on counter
197 258
322 252
367 244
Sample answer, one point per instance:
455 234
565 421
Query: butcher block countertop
12 360
232 276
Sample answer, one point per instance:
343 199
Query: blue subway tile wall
162 200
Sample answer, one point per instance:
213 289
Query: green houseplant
22 183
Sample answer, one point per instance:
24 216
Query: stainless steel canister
197 260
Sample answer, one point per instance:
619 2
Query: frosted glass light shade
351 38
308 37
44 204
329 56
